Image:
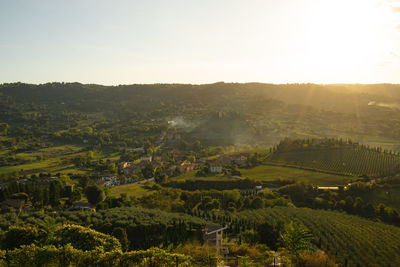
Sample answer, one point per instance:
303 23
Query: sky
190 41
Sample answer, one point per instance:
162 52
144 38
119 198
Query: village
148 167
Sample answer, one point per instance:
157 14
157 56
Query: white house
215 168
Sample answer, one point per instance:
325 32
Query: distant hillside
252 113
337 156
348 98
361 242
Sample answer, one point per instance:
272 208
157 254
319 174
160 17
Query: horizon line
199 84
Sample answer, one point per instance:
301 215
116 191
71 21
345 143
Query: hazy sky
185 41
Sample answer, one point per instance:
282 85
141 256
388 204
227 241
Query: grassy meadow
54 159
137 190
272 173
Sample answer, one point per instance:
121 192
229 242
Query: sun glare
344 40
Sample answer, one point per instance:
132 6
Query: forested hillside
262 113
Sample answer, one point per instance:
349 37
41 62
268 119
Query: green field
272 173
136 190
192 175
27 156
54 159
61 149
44 165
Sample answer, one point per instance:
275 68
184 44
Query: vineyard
346 237
337 157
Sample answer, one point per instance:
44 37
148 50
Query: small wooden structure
215 234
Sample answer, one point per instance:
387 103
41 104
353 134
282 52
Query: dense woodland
141 171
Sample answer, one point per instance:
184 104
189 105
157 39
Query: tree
148 171
55 192
4 128
213 204
49 225
358 205
84 181
46 197
37 198
257 203
76 195
196 146
269 233
120 234
296 240
3 195
94 194
90 154
235 171
16 236
84 238
161 178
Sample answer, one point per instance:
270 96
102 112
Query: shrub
16 236
33 256
85 238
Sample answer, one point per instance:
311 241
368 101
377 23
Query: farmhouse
215 168
334 188
110 181
186 166
240 159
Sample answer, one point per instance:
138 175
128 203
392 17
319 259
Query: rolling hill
337 156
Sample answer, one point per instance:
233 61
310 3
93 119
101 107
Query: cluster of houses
181 165
135 167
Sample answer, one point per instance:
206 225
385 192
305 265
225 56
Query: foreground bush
79 237
74 245
317 258
203 255
16 236
84 238
32 256
145 228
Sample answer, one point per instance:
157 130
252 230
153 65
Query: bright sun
345 38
